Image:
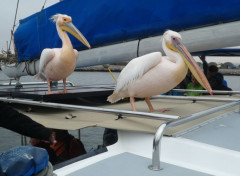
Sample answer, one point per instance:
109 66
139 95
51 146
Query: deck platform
218 131
39 92
130 164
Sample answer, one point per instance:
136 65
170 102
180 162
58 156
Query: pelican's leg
150 106
49 86
64 86
132 100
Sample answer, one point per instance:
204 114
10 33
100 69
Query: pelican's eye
64 19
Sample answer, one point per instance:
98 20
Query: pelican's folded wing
136 68
46 56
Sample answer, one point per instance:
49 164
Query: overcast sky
8 9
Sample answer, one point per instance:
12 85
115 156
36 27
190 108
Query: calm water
91 137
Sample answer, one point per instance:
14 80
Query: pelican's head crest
54 18
60 18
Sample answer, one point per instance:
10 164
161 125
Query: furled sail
107 22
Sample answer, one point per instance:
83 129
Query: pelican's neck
66 42
175 57
172 55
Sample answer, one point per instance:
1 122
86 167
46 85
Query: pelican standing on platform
153 74
58 63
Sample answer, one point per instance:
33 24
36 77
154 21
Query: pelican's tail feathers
114 98
40 76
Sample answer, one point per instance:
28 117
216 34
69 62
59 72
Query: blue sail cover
105 22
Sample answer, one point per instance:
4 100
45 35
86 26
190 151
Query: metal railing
34 83
195 98
117 112
205 91
163 127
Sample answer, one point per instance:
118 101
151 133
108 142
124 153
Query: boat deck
202 144
38 91
85 116
208 148
131 164
220 131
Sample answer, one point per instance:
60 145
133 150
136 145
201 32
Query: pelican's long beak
69 27
192 65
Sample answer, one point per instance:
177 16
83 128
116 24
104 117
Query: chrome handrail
196 98
88 108
35 83
157 147
163 127
205 91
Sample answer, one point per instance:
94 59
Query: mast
14 24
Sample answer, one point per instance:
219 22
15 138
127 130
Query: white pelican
153 74
58 63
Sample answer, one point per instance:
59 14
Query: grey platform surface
39 92
223 131
128 164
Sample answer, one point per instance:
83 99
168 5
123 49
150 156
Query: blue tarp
104 22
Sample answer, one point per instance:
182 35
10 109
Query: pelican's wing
136 68
46 56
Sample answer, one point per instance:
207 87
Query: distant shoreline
118 68
230 71
113 68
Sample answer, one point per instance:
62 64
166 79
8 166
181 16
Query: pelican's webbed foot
159 110
150 106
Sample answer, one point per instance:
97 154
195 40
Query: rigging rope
107 66
112 74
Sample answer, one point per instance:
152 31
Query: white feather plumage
136 68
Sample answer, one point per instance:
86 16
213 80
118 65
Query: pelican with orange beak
153 74
58 63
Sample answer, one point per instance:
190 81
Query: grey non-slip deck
222 131
128 164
